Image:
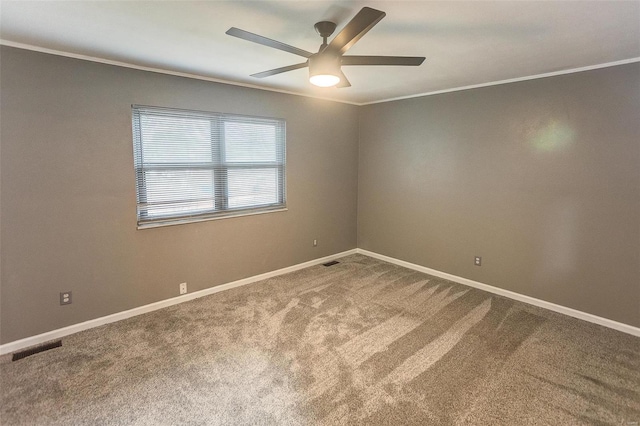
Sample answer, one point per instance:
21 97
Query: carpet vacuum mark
361 342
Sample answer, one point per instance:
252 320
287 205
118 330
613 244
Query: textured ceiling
465 43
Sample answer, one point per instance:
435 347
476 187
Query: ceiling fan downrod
325 29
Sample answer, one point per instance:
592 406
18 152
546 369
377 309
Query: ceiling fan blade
383 60
344 81
246 35
279 70
355 29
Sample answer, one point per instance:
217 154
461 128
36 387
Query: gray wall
541 178
68 192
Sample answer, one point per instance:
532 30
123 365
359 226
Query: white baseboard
61 332
625 328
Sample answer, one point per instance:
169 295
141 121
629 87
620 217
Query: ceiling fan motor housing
324 64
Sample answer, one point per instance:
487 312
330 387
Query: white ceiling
465 43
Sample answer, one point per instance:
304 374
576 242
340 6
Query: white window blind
193 166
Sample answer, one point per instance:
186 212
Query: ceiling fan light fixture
324 80
324 70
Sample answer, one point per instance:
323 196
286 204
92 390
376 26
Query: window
193 166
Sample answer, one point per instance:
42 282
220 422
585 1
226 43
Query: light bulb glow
324 69
324 80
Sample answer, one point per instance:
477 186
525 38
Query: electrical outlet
65 298
477 261
183 288
315 243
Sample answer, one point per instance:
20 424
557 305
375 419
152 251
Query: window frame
218 164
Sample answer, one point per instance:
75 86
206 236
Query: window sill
184 221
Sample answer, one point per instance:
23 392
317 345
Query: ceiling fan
325 65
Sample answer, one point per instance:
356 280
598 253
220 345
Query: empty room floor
360 342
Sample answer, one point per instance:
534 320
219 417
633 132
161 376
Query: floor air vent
333 262
36 350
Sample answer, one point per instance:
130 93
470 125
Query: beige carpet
361 342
